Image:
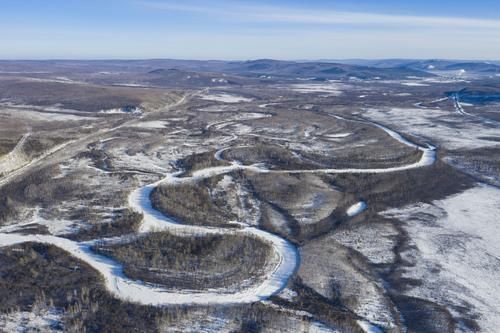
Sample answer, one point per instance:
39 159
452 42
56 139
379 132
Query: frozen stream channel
283 264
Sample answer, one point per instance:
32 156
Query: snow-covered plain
446 128
457 255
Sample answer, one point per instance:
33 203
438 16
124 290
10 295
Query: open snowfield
456 255
442 127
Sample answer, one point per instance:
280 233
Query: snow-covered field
445 128
225 98
30 113
457 255
333 89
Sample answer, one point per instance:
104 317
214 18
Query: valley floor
283 209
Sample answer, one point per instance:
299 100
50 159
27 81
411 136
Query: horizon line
244 60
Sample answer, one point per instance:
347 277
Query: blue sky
234 29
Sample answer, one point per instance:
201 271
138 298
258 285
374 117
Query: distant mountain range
320 70
277 69
478 67
189 73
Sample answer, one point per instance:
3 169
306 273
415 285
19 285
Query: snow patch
338 136
43 321
124 110
414 84
369 328
226 98
57 227
356 209
288 294
219 80
153 124
332 89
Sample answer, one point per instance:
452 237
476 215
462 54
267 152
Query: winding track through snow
427 158
460 109
285 260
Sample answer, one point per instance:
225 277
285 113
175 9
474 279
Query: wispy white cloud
304 34
274 14
167 6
